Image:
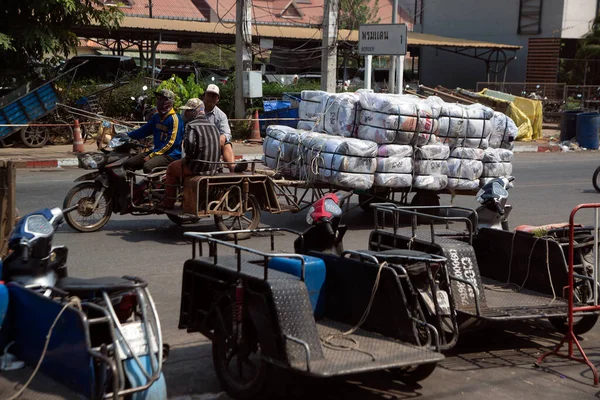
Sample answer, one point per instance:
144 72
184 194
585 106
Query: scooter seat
85 286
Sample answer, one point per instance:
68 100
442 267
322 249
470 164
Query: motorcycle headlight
332 207
309 218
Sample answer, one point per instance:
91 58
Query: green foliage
183 90
36 34
353 13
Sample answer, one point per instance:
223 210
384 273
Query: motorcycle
142 110
100 337
112 189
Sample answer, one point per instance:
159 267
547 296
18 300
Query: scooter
100 337
493 212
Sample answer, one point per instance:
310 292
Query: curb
72 162
537 149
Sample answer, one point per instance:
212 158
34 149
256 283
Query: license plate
443 302
135 335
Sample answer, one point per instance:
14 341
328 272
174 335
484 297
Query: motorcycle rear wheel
414 374
84 195
595 181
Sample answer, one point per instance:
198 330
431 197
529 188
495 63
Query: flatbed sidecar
264 318
496 275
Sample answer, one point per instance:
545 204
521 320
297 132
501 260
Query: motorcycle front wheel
595 180
86 218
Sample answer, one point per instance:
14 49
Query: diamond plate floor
376 352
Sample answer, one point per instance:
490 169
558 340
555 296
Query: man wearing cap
201 143
215 115
167 131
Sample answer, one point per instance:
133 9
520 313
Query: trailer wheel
237 359
414 374
250 219
34 136
581 325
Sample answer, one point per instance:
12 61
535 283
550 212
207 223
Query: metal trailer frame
570 338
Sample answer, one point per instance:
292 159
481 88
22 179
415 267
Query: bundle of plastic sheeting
394 166
337 160
398 119
311 109
341 114
496 163
459 125
504 131
281 150
465 168
431 167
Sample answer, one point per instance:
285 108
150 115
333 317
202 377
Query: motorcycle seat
83 287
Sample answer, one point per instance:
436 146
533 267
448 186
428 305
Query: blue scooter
100 337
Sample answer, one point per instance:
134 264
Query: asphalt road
495 363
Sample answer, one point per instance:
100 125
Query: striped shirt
201 143
219 118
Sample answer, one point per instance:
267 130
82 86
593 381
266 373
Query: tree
353 13
38 33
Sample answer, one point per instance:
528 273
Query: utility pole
243 55
329 43
392 73
150 7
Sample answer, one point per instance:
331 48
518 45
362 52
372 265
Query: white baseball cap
213 88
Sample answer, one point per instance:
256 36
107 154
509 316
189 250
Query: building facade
539 26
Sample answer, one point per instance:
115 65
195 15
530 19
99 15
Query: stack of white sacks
363 139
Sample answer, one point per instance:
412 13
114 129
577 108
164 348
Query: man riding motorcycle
167 131
200 144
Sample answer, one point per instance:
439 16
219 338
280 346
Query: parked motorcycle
142 110
100 337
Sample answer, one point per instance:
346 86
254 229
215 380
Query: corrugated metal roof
181 9
283 32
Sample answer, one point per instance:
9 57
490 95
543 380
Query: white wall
577 17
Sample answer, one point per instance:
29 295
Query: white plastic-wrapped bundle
430 182
395 158
464 168
463 184
498 155
346 179
504 131
394 150
496 163
395 165
460 125
395 119
431 167
281 149
432 152
341 114
341 161
311 109
392 180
